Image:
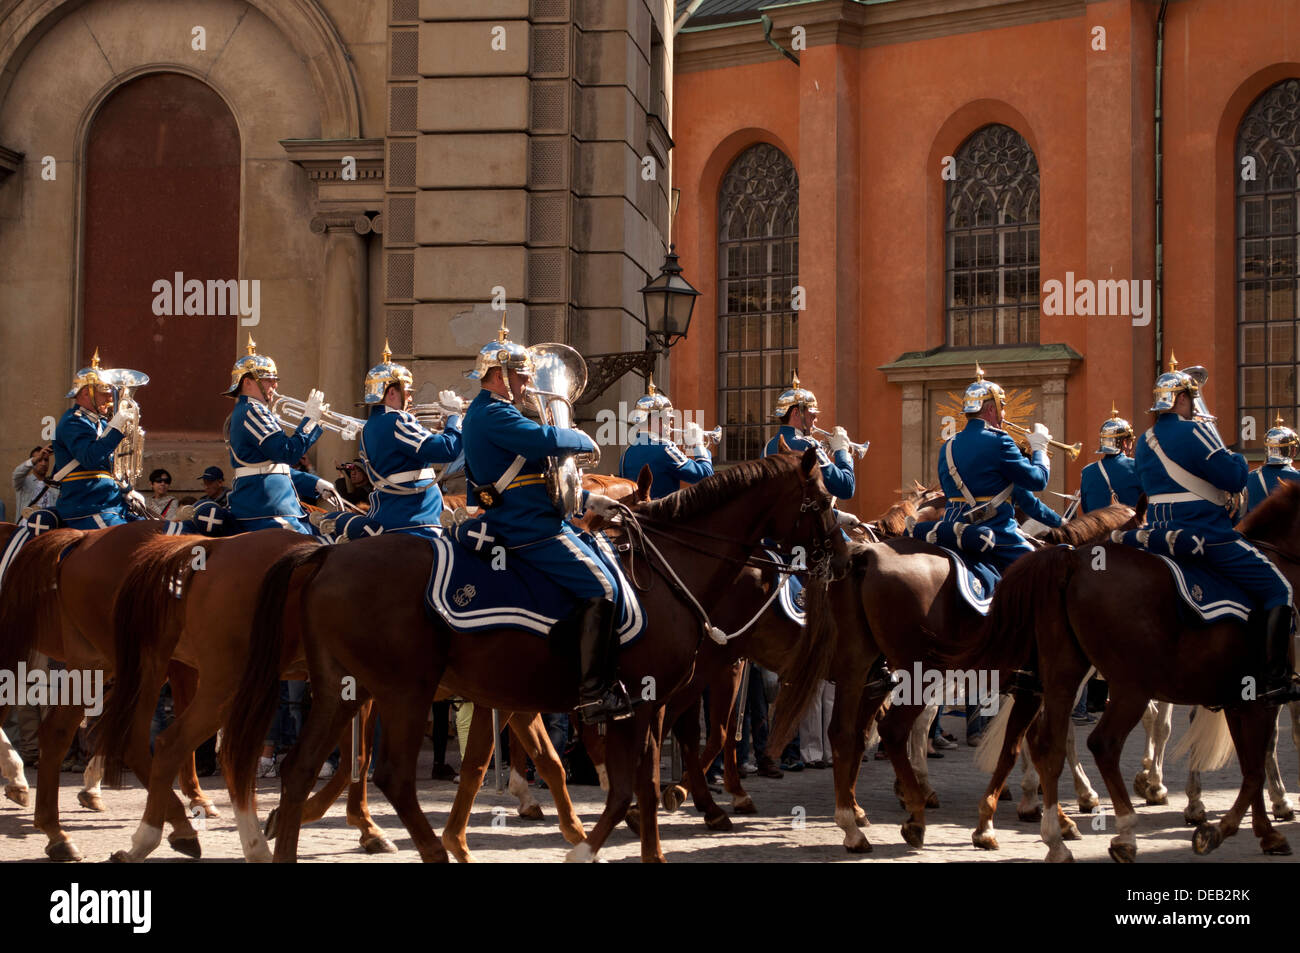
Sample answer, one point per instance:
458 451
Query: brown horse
57 599
205 631
1115 607
780 497
900 598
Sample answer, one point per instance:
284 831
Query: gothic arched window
1268 180
758 268
991 272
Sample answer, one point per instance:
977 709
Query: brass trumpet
288 411
713 436
860 449
1071 450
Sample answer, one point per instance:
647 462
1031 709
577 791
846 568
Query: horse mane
893 521
720 488
1091 527
1275 517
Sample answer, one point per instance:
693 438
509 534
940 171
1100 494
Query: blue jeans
162 714
288 720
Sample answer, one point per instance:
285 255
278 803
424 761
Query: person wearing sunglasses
161 503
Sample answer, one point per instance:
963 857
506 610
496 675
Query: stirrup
1280 689
613 703
884 686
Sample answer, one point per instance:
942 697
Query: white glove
313 409
325 490
838 440
451 401
136 499
604 506
128 413
692 436
843 519
1038 438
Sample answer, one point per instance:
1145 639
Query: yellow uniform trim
532 479
87 475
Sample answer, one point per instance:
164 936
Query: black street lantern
669 301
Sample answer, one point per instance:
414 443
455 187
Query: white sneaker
326 770
266 767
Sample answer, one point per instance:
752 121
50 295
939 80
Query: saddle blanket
471 596
1208 594
975 580
791 595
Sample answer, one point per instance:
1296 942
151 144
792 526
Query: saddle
475 587
1207 595
791 595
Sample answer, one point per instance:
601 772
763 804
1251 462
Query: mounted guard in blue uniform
1115 474
506 460
1190 479
261 454
984 475
398 452
796 408
86 442
1280 443
652 447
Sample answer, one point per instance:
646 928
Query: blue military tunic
1263 480
525 520
837 473
89 497
398 453
263 457
669 465
987 461
1035 509
1114 472
1197 448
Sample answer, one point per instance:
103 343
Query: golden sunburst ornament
1019 409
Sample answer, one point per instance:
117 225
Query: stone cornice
854 24
346 200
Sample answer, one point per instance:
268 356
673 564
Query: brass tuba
128 458
559 378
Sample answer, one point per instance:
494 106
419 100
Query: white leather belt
1176 498
426 474
262 469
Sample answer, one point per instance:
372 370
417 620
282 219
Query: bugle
860 449
713 436
289 410
1071 450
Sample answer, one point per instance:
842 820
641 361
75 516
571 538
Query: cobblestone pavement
772 835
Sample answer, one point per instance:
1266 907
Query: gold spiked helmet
796 396
260 366
379 377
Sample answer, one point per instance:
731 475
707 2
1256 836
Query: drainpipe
1160 189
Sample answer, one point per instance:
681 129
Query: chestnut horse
1125 619
705 534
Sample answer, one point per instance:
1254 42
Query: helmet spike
94 360
794 380
1114 414
504 334
251 347
1173 362
651 388
979 372
388 352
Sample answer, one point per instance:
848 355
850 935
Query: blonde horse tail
1208 740
990 746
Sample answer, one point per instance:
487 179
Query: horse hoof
859 847
1122 853
721 822
63 852
188 846
862 820
1087 804
1070 830
16 794
633 820
209 809
1205 839
120 857
272 824
1194 818
533 812
1140 785
91 802
673 797
1030 816
1158 800
378 844
932 801
914 834
1284 816
1276 845
985 840
744 806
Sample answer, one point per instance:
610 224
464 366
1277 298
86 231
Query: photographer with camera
354 486
30 477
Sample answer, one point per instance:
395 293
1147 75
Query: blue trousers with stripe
1252 570
569 563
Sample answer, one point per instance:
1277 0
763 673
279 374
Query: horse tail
255 700
1030 594
142 616
808 666
28 601
1208 741
990 746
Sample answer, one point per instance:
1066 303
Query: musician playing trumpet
84 441
670 467
261 453
398 453
796 408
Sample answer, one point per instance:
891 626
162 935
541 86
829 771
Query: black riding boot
1025 681
1280 683
881 679
602 696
